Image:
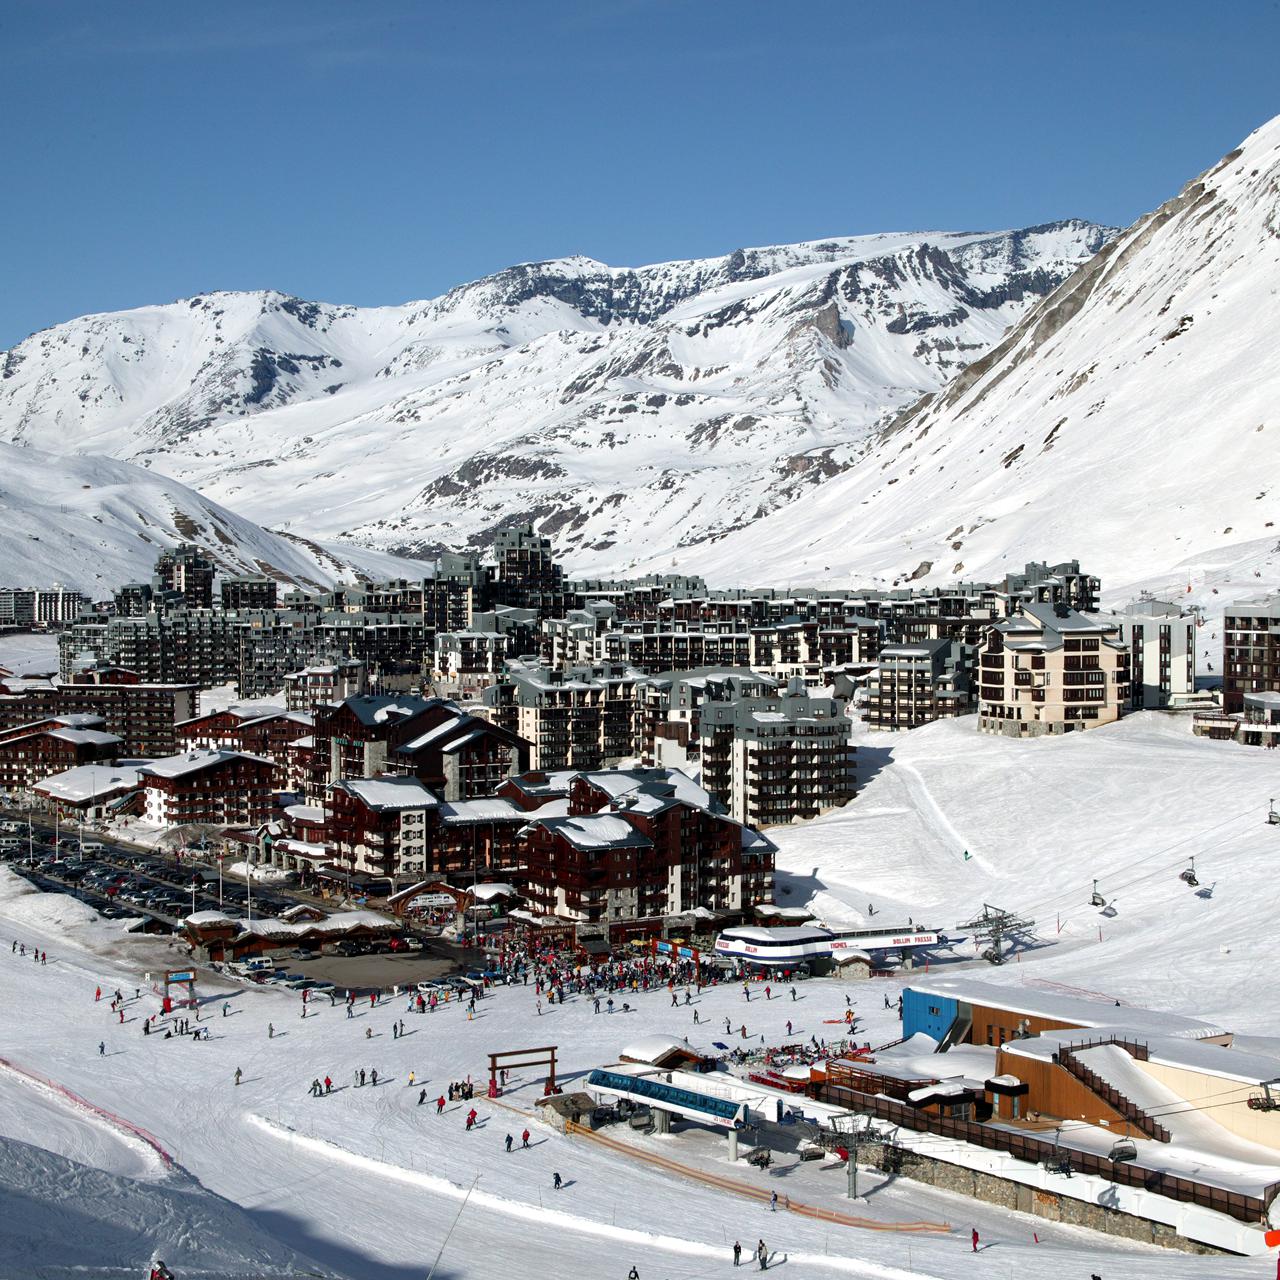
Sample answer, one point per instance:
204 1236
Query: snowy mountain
1129 419
92 523
621 409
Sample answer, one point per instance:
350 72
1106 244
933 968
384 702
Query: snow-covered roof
194 761
494 889
656 1049
485 809
84 737
596 831
1072 1011
87 781
304 812
390 793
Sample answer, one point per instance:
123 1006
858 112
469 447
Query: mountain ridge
617 408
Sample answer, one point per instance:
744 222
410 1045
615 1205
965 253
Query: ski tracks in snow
558 1218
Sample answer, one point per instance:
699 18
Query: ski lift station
816 948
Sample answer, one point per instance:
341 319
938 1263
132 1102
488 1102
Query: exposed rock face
620 408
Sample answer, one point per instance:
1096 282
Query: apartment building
1063 583
919 682
641 845
395 827
457 755
580 717
1162 654
777 760
1050 670
652 650
142 716
669 707
33 751
215 788
526 574
325 682
250 592
39 606
188 573
1250 649
1257 724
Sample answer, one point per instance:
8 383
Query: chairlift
1189 875
1264 1101
1097 900
1123 1150
1273 818
992 956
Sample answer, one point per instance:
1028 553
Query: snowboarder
737 1253
239 1075
556 1181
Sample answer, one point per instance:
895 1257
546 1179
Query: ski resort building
457 755
919 682
1250 650
218 788
1050 670
575 718
777 760
326 682
1162 654
143 716
31 752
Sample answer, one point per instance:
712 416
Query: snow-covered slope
92 523
1130 419
621 409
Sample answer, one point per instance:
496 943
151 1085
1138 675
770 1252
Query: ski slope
1129 804
367 1183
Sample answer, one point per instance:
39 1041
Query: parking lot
124 883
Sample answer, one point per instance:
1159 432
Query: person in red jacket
524 1138
471 1119
440 1104
975 1239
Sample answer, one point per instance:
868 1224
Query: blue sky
380 151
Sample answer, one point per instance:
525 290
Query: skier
159 1271
557 1181
762 1255
422 1096
793 993
373 1077
974 1239
524 1139
410 1079
368 1033
225 1008
102 1049
271 1031
239 1075
440 1104
788 1028
633 1274
510 1140
737 1253
773 1202
328 1085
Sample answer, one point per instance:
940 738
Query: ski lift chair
1123 1150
